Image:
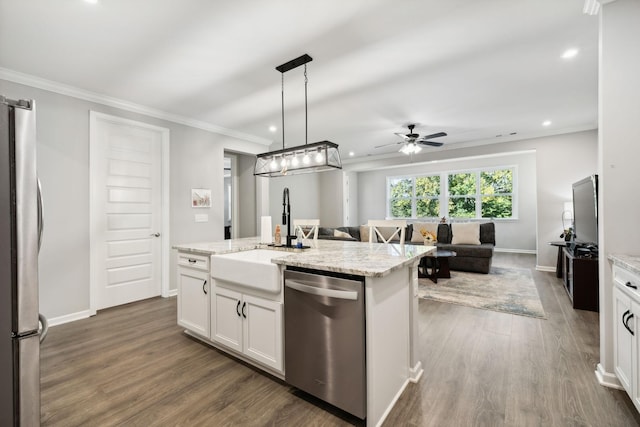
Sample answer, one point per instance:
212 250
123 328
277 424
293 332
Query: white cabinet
626 353
249 325
193 293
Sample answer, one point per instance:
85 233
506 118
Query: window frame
445 196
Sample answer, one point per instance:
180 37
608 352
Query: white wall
246 196
619 150
330 200
304 197
196 160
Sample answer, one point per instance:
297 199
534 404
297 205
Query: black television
585 211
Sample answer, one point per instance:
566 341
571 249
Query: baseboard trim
546 268
172 293
85 314
607 379
415 373
516 251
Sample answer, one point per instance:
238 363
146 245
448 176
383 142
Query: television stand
580 278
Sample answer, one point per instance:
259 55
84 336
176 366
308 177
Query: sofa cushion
484 250
444 233
467 233
488 233
338 233
420 229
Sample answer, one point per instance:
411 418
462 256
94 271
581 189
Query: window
482 193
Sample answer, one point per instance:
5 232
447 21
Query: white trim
416 372
393 402
517 251
172 293
165 251
85 314
545 268
607 379
62 89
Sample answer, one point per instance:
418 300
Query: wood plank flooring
133 366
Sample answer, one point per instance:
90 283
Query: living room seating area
473 242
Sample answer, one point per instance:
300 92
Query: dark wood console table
580 278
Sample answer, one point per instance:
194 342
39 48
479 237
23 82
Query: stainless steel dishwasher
325 337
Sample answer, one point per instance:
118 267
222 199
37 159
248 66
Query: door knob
155 234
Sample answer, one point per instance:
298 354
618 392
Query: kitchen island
207 300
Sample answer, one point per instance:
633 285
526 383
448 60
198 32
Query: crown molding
62 89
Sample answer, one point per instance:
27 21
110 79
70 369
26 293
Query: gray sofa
475 258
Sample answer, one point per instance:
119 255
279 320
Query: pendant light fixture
315 157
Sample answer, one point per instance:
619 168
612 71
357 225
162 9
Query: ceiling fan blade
431 143
403 136
386 145
433 135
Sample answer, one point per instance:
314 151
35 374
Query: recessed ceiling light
272 128
569 53
351 153
546 123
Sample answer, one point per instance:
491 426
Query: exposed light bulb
273 164
294 161
306 159
319 157
283 163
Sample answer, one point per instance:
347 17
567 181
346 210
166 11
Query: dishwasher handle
314 290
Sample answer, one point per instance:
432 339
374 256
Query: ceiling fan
412 141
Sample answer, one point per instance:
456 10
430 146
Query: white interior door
126 210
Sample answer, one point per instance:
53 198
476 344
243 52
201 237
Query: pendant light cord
282 95
306 123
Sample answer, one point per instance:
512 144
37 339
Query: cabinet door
263 331
226 318
193 300
623 340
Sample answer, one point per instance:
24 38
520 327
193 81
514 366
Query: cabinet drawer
199 262
627 280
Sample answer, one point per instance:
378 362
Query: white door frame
165 250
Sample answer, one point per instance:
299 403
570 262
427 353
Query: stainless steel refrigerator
21 327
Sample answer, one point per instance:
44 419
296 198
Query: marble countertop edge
630 262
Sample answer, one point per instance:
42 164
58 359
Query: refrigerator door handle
40 216
45 327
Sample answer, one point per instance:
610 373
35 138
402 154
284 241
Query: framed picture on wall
200 197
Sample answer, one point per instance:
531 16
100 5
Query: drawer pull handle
238 309
630 285
203 289
625 321
192 261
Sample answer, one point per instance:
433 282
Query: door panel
226 324
126 165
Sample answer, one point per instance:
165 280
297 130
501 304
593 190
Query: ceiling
474 69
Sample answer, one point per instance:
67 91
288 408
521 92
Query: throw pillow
364 233
467 233
338 233
422 229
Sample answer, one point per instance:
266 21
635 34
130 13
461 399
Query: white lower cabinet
626 353
193 299
249 325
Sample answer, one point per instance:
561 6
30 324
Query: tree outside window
462 195
400 197
428 196
487 193
496 188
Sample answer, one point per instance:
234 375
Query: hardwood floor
133 366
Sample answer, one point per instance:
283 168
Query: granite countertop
358 258
630 262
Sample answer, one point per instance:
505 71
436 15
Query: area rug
509 290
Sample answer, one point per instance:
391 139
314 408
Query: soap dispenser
278 237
